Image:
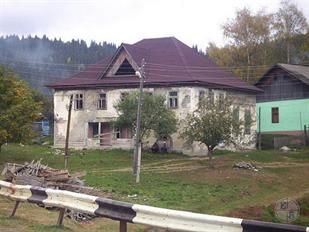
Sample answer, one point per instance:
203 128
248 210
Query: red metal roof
169 62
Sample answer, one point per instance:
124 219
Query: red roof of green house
169 62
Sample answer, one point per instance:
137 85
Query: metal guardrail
134 213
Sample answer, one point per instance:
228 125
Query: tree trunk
248 67
1 146
288 51
210 150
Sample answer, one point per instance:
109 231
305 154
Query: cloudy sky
192 21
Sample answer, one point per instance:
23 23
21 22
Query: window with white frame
102 103
79 101
173 99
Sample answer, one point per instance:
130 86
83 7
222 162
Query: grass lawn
172 181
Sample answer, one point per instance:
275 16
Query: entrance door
106 134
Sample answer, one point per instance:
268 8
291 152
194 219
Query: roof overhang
155 84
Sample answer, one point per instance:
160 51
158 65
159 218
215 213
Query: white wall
187 102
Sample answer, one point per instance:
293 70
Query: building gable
279 84
122 64
125 69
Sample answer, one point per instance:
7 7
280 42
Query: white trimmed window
79 101
173 99
102 103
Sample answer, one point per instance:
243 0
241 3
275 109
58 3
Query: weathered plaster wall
188 98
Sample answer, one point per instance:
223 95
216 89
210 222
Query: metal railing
134 213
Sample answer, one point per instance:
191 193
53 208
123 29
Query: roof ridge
126 44
181 56
154 38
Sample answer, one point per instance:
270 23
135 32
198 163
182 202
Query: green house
283 106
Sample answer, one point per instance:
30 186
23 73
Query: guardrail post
15 208
60 217
123 226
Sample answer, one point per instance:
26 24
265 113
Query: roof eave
153 84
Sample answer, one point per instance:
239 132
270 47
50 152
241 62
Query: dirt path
281 165
166 166
176 165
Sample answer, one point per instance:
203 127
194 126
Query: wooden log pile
37 174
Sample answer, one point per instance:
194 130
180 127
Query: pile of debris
38 174
245 165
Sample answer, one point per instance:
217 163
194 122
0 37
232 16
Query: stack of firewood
37 174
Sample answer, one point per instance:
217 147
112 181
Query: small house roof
300 72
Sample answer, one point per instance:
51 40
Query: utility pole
138 145
66 155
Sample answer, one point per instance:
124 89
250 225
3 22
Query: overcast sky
192 21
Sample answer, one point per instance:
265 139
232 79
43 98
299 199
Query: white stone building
172 69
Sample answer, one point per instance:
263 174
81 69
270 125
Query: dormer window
125 69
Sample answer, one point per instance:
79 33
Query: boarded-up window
79 101
173 99
93 129
275 115
102 101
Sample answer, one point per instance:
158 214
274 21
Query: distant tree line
40 61
258 40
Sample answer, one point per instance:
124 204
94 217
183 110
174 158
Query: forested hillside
40 61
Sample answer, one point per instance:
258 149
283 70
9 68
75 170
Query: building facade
172 69
284 104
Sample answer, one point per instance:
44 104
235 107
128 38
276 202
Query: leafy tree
155 115
247 31
256 42
18 109
289 21
211 124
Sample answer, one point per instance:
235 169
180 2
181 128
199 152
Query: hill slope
40 61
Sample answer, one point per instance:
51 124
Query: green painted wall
293 115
